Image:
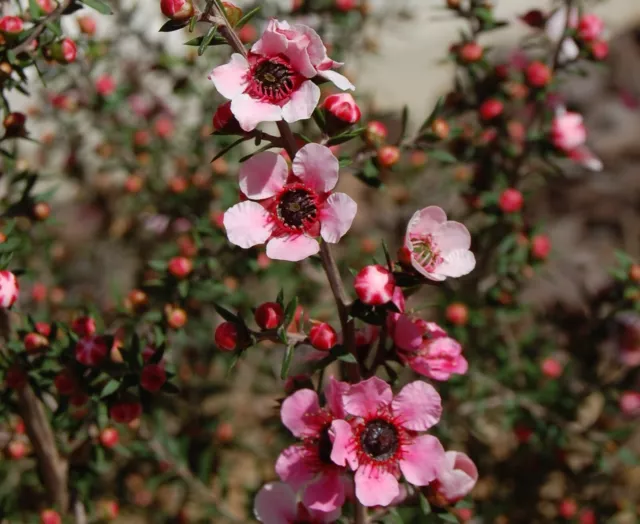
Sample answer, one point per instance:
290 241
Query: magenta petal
333 392
247 224
263 175
407 335
297 410
418 406
340 81
292 248
275 503
302 103
367 397
326 493
250 112
422 460
229 79
375 486
295 466
337 217
317 167
342 452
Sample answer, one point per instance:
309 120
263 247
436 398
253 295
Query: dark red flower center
297 208
379 439
273 80
325 446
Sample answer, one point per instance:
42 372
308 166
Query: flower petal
333 392
407 334
340 81
375 486
302 103
292 248
457 263
275 503
271 43
422 460
326 493
295 466
418 406
337 217
229 79
426 221
247 224
263 175
452 235
296 411
342 452
317 167
249 112
458 477
367 397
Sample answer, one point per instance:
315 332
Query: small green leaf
195 42
247 17
99 6
192 23
434 114
290 311
110 388
443 156
206 40
448 517
403 125
286 362
173 25
349 358
424 505
227 315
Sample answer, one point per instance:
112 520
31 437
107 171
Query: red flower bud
538 74
269 315
65 383
551 368
11 25
322 336
490 109
46 5
105 85
374 285
226 336
534 18
84 326
34 342
91 351
14 124
176 317
247 33
15 378
125 412
540 246
343 107
511 200
600 49
108 509
153 377
634 272
49 516
375 133
223 117
346 5
567 508
630 403
177 9
388 156
590 27
87 25
457 314
65 51
180 267
470 52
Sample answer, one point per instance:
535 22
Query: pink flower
630 404
105 85
427 349
9 289
275 82
276 504
455 479
568 134
382 441
590 27
308 465
90 351
438 248
374 285
288 211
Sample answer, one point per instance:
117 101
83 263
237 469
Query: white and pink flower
427 349
307 466
289 211
554 28
382 441
569 135
276 503
9 289
455 479
374 285
437 248
275 82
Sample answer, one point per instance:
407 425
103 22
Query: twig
24 46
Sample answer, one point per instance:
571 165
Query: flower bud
374 285
91 351
634 273
14 124
224 432
223 120
567 508
388 156
630 404
176 317
457 314
64 51
125 412
180 267
226 336
105 85
84 326
233 12
540 247
551 368
11 25
108 509
136 300
247 33
375 133
440 128
346 5
491 109
269 315
50 516
470 52
9 289
534 18
342 107
87 25
590 27
511 201
600 49
177 9
47 5
65 383
538 74
41 211
322 336
34 342
153 377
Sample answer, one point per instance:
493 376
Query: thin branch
24 46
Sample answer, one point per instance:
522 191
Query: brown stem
23 46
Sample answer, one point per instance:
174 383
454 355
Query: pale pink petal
375 486
333 392
302 103
418 406
457 263
315 47
275 503
458 477
452 235
317 167
271 43
422 460
263 175
250 112
229 79
426 220
297 411
557 22
343 450
247 224
337 217
340 81
570 50
585 157
326 493
407 334
295 466
367 397
292 248
299 57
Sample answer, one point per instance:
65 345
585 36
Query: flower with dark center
272 80
382 442
297 207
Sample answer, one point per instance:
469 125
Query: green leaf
98 5
247 17
34 9
170 388
349 358
227 315
192 23
211 33
110 388
424 505
290 311
173 25
443 156
286 362
195 42
403 125
448 517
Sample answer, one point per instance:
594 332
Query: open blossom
555 31
275 82
308 465
569 134
289 211
438 248
383 440
427 349
9 289
276 504
455 479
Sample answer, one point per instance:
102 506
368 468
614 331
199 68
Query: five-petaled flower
276 504
383 440
275 81
289 210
